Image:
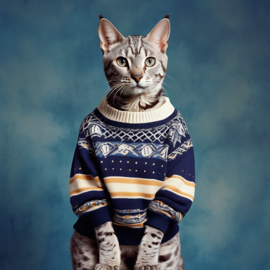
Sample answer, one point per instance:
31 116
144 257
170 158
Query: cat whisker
114 81
166 92
123 90
166 84
120 88
162 83
169 76
114 88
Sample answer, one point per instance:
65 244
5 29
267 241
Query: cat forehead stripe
135 43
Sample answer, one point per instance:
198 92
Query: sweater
132 168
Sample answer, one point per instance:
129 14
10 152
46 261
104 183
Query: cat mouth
138 87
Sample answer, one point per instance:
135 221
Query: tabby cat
135 68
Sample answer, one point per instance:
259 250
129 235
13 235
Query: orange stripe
133 181
132 194
140 225
179 192
183 179
84 189
165 213
84 177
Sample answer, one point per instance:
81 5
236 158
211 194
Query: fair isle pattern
174 129
84 143
181 149
90 206
147 175
141 150
161 207
132 221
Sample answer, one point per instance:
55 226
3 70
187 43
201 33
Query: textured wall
51 77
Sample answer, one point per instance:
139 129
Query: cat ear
108 34
160 34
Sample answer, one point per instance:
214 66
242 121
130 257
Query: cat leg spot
85 258
155 236
101 240
155 243
164 258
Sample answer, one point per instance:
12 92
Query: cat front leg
108 245
149 249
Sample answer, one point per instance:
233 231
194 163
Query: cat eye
122 62
150 61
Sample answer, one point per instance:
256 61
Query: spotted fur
165 256
135 87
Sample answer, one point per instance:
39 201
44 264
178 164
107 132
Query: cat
135 68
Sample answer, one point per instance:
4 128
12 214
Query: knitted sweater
132 169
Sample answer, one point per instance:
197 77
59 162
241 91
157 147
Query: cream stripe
116 187
81 183
134 181
180 185
188 183
161 113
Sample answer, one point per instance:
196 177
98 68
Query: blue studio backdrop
51 77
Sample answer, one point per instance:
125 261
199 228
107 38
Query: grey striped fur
135 87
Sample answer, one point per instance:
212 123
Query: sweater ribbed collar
159 114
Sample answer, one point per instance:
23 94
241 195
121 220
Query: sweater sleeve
176 195
88 196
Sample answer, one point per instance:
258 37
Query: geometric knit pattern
92 125
132 175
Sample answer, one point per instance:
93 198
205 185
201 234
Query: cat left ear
108 34
160 34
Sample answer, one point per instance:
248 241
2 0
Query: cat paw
147 267
101 266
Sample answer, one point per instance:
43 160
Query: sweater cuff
158 220
99 216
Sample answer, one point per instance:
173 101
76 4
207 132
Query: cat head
134 66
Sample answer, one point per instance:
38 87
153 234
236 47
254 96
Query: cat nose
136 78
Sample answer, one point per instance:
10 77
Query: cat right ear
108 34
160 34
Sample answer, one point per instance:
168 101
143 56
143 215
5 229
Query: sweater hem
125 235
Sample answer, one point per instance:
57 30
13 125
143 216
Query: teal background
51 77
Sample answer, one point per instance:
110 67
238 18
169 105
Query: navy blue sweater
132 169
